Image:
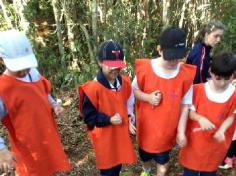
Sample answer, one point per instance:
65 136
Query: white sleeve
187 99
2 143
130 104
135 84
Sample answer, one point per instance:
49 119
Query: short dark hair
223 64
209 28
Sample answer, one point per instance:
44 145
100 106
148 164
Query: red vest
157 125
203 152
34 138
112 143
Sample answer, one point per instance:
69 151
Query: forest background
66 35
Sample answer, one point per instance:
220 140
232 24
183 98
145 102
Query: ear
210 72
159 51
100 63
1 61
158 48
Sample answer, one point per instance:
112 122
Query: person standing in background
200 55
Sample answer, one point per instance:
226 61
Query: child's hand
219 136
116 119
6 160
181 139
132 128
205 123
59 110
155 98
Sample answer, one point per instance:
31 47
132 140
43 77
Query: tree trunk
165 13
146 20
70 12
19 8
181 21
9 24
94 23
88 43
58 16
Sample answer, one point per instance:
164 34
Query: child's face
20 74
219 82
110 73
214 38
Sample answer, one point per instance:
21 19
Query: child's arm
204 123
56 106
6 157
6 160
94 118
220 133
181 137
130 107
153 98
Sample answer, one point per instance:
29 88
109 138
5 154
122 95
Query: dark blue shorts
189 172
160 158
114 171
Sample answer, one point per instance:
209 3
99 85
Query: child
163 88
209 37
25 110
104 104
210 130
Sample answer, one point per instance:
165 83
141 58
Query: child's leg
232 149
114 171
146 158
162 160
228 160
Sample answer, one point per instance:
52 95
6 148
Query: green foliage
136 25
227 14
38 10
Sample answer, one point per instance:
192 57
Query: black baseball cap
111 54
172 41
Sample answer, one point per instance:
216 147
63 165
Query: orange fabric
34 138
157 125
203 152
112 144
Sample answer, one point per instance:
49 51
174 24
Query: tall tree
9 24
58 18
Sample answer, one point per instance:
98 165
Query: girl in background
209 37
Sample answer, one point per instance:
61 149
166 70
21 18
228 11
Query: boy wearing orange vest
163 89
106 102
26 111
211 123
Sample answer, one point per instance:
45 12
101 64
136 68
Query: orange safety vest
203 152
112 144
33 134
157 125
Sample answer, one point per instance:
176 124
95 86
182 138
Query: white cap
16 51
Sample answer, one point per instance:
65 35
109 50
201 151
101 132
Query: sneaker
145 174
225 166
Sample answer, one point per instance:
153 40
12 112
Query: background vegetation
66 35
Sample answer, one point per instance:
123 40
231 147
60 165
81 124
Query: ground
80 152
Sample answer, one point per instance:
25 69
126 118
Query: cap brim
114 64
174 53
21 63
